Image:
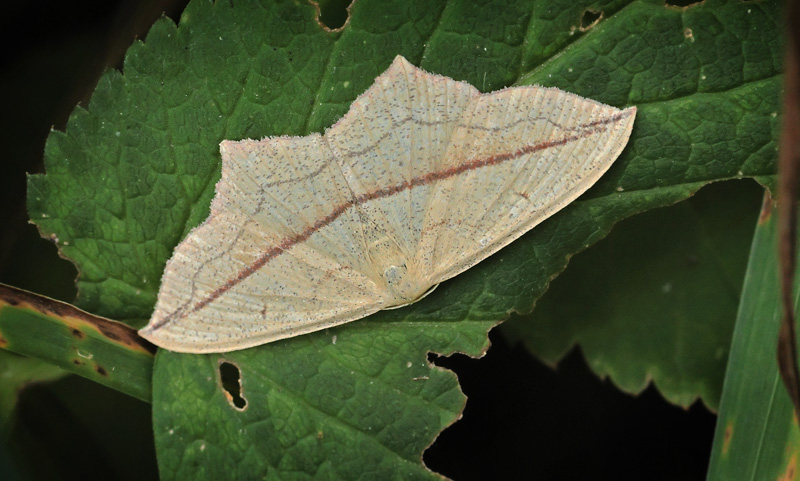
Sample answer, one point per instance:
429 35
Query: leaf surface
656 300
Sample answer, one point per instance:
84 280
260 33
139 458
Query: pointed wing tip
228 147
399 59
400 64
630 115
148 333
164 338
164 341
154 333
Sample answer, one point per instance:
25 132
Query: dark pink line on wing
290 242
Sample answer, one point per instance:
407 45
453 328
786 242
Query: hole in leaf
332 14
590 19
548 404
682 3
230 378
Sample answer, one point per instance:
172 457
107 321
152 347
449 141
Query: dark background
523 419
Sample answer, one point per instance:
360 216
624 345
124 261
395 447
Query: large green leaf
757 436
135 172
655 300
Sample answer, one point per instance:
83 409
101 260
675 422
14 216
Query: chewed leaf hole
333 14
230 379
589 19
682 3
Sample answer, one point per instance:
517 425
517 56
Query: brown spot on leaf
791 470
74 318
766 208
101 370
77 362
78 334
726 439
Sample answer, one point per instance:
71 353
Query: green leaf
656 299
757 435
102 350
136 170
341 406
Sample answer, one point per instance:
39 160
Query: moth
421 179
